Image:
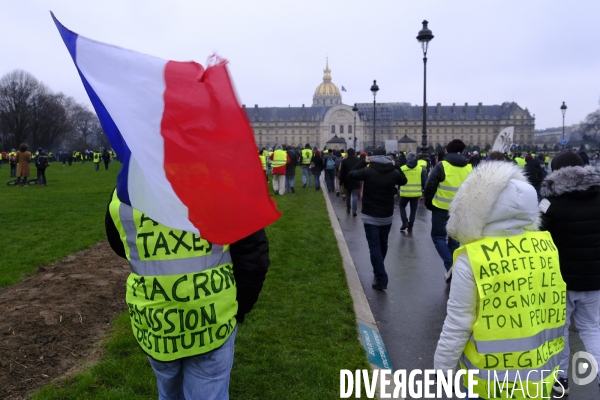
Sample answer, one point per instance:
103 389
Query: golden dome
327 88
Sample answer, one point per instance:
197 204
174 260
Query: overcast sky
537 53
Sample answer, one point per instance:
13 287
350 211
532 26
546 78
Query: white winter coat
495 200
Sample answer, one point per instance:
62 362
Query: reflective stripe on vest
181 293
279 158
455 176
413 186
306 156
519 331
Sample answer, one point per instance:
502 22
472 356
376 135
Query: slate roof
286 114
393 111
406 139
336 139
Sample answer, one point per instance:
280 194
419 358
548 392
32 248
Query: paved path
411 312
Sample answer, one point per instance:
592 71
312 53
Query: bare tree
17 92
50 119
591 125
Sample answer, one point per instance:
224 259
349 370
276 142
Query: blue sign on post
376 351
563 141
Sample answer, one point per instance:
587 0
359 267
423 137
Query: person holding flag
193 233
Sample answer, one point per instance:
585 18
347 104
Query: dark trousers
41 176
443 243
13 170
106 165
377 237
414 204
330 179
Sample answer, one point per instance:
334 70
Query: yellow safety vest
547 159
413 186
279 158
518 335
181 292
422 163
446 190
306 156
97 157
263 161
520 161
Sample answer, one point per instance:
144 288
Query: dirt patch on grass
50 323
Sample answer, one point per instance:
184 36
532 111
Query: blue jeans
289 182
377 237
414 203
306 174
330 179
352 199
202 377
445 247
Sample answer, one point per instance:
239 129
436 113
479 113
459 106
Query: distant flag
182 136
343 88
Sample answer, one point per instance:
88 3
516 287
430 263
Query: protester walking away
97 157
338 162
263 162
12 160
571 213
216 284
581 153
380 178
41 163
493 215
305 158
290 170
279 160
535 173
329 162
401 160
410 193
316 167
475 159
23 158
350 185
106 159
441 186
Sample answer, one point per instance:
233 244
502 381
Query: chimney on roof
453 107
504 106
479 108
438 108
466 107
256 109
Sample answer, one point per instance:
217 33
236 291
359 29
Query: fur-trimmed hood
495 200
570 179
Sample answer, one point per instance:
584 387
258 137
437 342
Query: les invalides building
330 123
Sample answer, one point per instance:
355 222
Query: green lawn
43 224
292 345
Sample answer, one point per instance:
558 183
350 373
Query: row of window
341 129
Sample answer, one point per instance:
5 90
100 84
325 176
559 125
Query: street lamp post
424 37
374 90
355 109
563 109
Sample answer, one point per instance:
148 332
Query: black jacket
535 173
571 213
381 178
290 168
347 164
250 258
438 175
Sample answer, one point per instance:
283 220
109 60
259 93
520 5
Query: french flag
188 153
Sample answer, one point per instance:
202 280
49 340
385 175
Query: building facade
328 117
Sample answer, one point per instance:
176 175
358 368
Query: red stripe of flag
210 156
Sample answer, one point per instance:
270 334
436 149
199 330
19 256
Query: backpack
12 158
330 163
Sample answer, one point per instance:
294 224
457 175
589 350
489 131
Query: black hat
455 146
566 159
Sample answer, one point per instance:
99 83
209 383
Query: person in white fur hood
503 261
